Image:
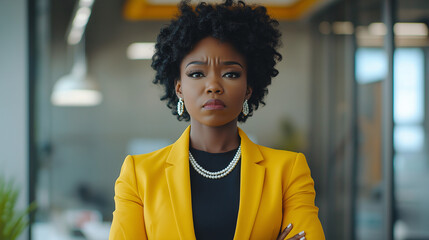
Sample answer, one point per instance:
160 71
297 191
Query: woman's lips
213 104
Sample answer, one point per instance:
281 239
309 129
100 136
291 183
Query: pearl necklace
219 174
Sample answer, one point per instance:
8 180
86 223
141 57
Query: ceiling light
141 50
86 3
81 17
343 28
377 29
400 29
411 29
76 89
79 21
75 36
78 25
76 98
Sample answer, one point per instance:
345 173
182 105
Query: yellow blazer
153 194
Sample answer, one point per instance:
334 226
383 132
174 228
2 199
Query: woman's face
213 83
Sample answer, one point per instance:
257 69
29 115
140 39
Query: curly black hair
248 28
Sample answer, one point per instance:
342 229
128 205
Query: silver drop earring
180 107
245 108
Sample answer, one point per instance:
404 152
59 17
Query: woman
215 63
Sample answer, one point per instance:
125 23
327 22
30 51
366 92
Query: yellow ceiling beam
136 10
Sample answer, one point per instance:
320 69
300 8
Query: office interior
351 94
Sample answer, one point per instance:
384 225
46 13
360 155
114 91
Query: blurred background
76 96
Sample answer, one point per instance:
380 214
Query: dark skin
213 71
213 86
286 231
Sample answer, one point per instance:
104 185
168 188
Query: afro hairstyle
248 28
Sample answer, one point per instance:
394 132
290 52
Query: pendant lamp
76 88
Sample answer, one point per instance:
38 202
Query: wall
13 95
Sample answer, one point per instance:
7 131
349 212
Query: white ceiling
283 3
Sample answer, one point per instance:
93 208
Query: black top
215 201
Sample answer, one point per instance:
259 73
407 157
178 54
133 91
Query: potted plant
12 222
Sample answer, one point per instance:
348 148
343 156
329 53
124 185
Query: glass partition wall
411 158
370 120
334 117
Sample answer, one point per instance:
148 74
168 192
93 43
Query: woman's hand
282 235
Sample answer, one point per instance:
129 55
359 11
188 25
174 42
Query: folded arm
298 202
128 220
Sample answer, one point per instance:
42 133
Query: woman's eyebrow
232 63
196 62
223 63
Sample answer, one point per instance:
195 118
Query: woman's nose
214 85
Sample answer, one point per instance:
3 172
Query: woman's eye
196 75
232 75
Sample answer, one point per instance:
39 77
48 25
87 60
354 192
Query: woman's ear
248 92
178 88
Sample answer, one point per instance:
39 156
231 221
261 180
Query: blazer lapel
179 186
251 185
